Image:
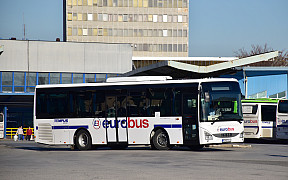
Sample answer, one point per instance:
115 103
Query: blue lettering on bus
61 120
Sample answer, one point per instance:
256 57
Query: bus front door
190 119
116 119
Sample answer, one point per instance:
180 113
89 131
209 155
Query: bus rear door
116 126
268 117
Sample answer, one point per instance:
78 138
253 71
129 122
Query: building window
180 48
89 78
84 17
69 17
90 17
180 18
100 77
77 78
31 80
80 33
74 31
179 33
95 32
185 4
69 2
74 2
95 17
154 18
120 18
165 33
169 18
184 19
100 17
90 32
74 16
160 18
7 81
69 31
19 81
54 78
80 17
43 78
100 32
85 32
115 3
66 78
145 3
125 18
174 47
175 19
150 18
105 17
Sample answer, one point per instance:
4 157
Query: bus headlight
208 136
242 134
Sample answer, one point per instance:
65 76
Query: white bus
153 110
259 118
282 120
1 125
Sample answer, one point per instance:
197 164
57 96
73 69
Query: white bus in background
1 125
259 118
282 119
153 110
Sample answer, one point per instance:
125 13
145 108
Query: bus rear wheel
160 140
83 140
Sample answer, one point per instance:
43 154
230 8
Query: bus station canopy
178 69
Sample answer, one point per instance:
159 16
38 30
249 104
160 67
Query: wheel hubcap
83 140
162 140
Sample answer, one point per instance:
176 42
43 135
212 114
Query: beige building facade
154 28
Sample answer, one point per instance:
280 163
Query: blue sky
216 27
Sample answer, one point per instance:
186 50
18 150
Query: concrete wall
40 56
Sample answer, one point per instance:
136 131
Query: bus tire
83 140
160 140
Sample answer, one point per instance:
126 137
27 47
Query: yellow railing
12 131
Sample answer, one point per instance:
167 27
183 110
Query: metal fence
10 132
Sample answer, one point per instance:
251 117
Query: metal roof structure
178 69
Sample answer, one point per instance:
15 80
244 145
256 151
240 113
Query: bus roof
138 82
260 100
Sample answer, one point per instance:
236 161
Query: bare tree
281 60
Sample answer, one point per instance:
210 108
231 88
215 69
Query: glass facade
25 82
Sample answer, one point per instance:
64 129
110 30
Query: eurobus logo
250 121
225 129
131 123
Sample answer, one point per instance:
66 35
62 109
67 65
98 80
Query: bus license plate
226 140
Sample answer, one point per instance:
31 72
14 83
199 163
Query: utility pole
24 27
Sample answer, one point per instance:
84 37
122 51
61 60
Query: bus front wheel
160 140
83 140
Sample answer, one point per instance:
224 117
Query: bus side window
98 103
137 104
268 113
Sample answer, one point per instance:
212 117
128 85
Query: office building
155 28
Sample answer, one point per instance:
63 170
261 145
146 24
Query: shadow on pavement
31 145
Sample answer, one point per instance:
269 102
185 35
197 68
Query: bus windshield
221 102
